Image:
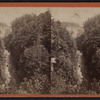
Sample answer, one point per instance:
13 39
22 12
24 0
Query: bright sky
8 14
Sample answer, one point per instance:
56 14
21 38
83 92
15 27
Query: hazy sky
8 14
65 13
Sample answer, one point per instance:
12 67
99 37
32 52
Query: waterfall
7 73
79 67
5 68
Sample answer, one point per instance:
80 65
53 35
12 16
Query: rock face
74 26
74 29
4 30
76 19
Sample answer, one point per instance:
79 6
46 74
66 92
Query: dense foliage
35 41
30 47
1 61
90 47
64 50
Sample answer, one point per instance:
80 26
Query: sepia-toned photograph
50 50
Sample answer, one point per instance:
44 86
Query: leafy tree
64 51
30 45
90 47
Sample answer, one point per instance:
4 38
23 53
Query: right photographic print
75 50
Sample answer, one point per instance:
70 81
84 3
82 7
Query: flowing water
79 67
7 63
5 69
5 73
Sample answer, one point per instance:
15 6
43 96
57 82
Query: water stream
5 73
6 66
79 67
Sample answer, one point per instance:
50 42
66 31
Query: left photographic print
25 50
